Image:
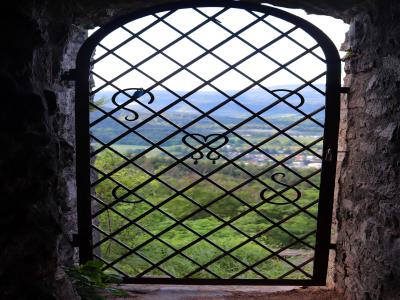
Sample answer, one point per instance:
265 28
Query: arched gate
206 145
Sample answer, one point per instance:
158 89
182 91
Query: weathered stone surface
369 206
36 130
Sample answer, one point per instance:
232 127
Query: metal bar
179 251
215 229
162 49
192 281
128 248
289 37
223 72
93 61
214 171
216 216
263 232
83 156
344 90
109 264
231 161
223 93
328 165
275 61
194 202
271 255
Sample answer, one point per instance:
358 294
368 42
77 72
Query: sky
255 67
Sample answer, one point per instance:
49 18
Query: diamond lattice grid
191 180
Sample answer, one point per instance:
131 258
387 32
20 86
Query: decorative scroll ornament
292 93
269 199
212 142
114 193
138 92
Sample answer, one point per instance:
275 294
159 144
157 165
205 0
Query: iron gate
206 145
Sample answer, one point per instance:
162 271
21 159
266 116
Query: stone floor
174 292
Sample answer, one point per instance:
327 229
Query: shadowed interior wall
37 160
369 203
40 42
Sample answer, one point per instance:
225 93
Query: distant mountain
230 114
255 99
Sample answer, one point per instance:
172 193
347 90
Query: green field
164 222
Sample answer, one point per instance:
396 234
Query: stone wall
40 41
368 265
36 131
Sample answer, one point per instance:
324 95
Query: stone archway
41 173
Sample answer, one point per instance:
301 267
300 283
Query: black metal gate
206 145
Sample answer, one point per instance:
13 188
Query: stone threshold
195 292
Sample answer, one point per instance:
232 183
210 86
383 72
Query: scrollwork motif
114 193
195 141
275 179
301 97
138 92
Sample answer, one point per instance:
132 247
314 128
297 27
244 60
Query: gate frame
331 128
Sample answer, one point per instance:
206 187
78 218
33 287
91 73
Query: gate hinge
75 240
332 246
344 90
69 75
